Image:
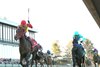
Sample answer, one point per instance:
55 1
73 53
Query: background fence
18 65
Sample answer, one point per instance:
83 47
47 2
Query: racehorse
96 58
43 58
48 60
78 53
24 47
39 59
77 59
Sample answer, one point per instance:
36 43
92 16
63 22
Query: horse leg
47 65
34 52
26 65
95 64
98 64
83 61
78 62
46 62
28 59
21 61
50 62
74 62
32 62
36 63
40 63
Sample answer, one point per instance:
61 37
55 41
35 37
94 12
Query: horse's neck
22 40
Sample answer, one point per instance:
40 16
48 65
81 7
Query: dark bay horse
78 53
43 58
24 48
77 58
96 58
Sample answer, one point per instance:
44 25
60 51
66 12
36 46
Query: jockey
95 51
25 25
76 40
77 45
48 52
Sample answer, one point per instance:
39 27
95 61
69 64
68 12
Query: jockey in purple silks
76 38
95 50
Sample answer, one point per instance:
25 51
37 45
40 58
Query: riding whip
28 15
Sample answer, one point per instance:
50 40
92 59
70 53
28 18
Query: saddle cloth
34 43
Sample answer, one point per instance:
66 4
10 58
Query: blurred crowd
9 61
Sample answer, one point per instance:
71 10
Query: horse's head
20 32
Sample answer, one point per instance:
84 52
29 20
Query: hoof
24 62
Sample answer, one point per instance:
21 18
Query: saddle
32 41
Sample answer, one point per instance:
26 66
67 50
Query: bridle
20 32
